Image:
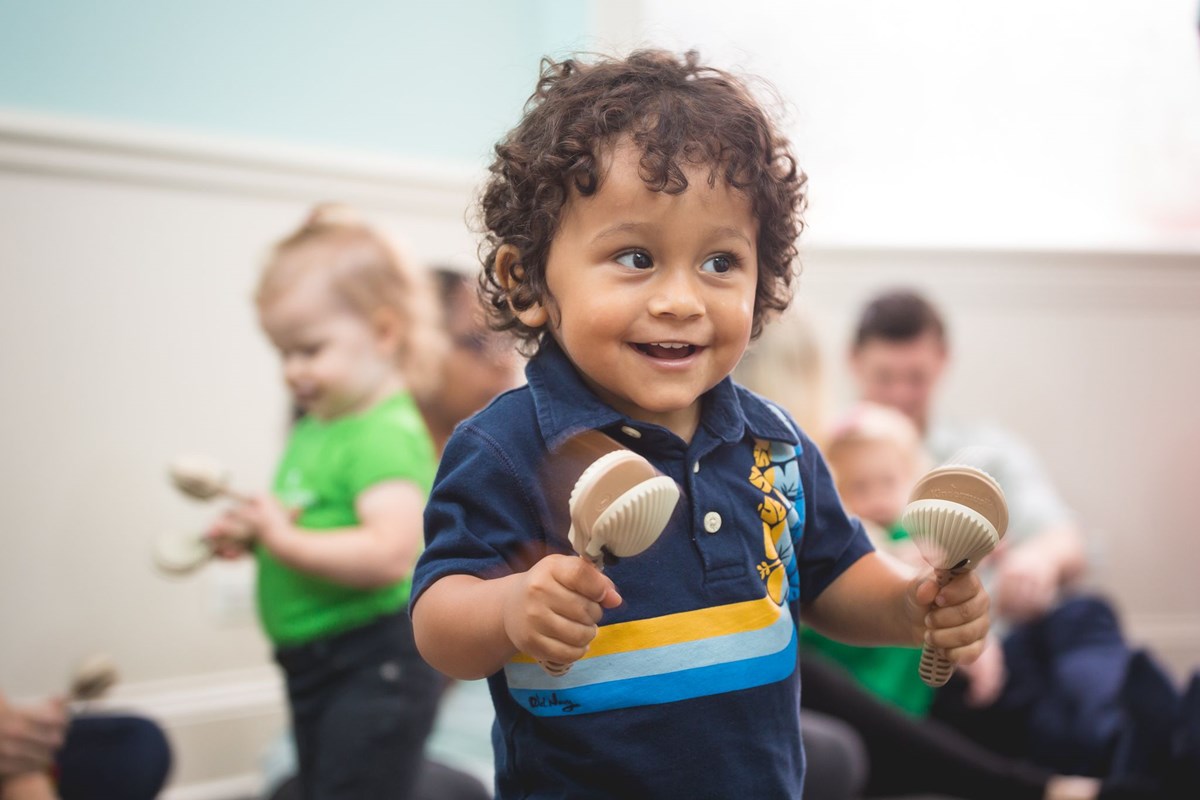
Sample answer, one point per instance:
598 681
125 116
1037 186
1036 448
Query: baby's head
876 457
599 181
352 319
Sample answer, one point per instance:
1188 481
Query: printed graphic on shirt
776 473
665 659
293 492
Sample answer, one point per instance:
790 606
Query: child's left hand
953 618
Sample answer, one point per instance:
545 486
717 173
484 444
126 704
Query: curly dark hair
678 113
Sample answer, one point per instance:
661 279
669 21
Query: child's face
334 361
873 480
652 294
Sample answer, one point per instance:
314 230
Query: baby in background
875 454
336 539
641 221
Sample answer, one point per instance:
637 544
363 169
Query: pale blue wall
430 78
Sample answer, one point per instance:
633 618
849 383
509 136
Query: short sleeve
394 447
481 519
832 540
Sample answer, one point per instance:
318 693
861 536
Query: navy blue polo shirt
691 687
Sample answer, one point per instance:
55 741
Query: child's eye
635 259
719 263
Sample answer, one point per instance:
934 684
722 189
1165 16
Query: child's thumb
592 582
925 589
612 597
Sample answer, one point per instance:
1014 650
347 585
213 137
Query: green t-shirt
327 464
889 673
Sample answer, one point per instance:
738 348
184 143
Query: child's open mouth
667 350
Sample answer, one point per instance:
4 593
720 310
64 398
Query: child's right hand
229 535
553 611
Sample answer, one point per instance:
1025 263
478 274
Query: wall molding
1051 280
200 699
235 788
69 147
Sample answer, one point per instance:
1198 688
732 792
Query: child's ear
388 328
510 273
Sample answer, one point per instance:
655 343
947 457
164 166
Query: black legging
908 755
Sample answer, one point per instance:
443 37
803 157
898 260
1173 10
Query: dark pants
1063 705
112 755
907 755
362 704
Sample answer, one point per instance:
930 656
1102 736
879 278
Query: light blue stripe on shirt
656 660
666 687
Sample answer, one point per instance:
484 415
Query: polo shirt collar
566 406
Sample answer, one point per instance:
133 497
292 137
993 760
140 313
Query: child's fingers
923 590
972 607
960 589
555 651
582 578
965 637
549 591
45 733
566 632
966 654
229 550
957 624
49 717
227 541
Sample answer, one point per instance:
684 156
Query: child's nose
293 367
677 294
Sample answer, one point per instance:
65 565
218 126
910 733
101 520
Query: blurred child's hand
30 735
552 613
987 676
230 535
267 519
954 617
1026 585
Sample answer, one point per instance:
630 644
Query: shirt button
712 522
630 431
696 467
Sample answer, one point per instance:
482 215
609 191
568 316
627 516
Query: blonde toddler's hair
872 423
367 273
